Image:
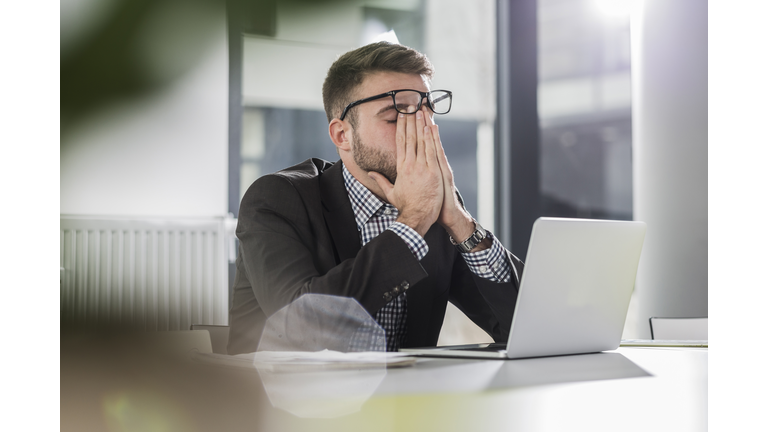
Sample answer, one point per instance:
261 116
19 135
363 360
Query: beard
372 159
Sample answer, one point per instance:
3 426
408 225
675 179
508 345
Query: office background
574 113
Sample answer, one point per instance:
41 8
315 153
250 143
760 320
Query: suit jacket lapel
337 211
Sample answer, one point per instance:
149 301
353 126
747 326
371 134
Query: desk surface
637 388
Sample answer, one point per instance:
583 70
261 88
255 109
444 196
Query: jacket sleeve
488 304
287 252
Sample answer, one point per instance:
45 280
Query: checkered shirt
373 216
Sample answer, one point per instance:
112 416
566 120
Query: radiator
153 274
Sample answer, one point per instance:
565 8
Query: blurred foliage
131 49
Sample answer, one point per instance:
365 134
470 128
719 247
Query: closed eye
385 109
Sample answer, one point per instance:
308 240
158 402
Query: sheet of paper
326 359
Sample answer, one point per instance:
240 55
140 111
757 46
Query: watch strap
467 245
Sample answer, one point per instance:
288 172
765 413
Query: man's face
373 140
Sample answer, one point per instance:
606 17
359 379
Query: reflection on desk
106 385
321 393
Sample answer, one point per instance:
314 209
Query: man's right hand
418 191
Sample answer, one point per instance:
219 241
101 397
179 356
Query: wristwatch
473 240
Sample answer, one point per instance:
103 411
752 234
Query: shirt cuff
491 263
415 242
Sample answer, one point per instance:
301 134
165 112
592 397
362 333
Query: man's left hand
453 217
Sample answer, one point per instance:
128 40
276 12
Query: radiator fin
154 274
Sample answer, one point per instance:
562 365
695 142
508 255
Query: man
384 225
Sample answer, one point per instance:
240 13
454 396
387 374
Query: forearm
288 249
281 274
485 288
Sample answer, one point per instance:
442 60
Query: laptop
574 293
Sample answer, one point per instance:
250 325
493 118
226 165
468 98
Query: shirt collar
364 203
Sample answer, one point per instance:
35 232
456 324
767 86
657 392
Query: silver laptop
574 293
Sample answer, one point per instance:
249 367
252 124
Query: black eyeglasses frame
392 93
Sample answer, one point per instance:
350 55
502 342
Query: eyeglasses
409 101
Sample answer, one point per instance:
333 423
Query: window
584 105
283 61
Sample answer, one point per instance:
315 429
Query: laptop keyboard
489 347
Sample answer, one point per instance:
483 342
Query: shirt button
405 285
387 211
483 269
496 265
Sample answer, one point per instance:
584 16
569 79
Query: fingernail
426 129
419 114
401 115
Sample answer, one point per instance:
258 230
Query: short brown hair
349 70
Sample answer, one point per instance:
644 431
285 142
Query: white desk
642 389
111 387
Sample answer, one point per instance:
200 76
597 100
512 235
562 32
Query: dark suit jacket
298 235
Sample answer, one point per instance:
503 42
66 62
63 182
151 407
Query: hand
453 217
418 190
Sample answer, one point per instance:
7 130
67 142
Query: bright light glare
614 9
389 36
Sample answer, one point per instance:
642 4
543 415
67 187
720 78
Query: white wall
669 67
460 41
310 37
162 155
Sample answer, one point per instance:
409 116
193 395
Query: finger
430 118
383 183
449 197
420 145
429 121
410 137
442 159
400 138
430 147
